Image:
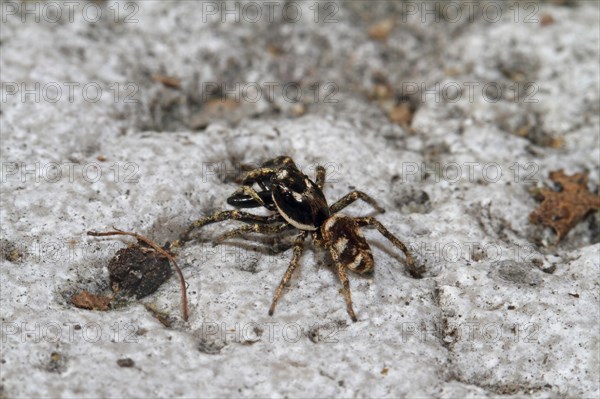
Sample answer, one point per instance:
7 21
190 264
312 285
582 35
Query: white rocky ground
501 311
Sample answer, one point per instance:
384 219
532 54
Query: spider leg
247 197
298 248
257 175
346 284
370 221
266 170
320 176
317 239
247 190
252 228
348 248
350 198
276 162
221 216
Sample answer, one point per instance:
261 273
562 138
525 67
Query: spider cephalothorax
298 202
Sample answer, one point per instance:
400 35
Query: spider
298 203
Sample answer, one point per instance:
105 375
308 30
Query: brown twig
158 249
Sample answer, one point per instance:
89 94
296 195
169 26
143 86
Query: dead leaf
557 142
381 92
167 81
546 19
298 109
381 30
401 114
453 72
87 300
274 49
562 210
523 131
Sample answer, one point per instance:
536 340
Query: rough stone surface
501 311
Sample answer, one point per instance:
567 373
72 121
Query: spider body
298 202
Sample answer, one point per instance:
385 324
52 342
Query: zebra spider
298 202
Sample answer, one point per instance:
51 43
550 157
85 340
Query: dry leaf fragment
546 19
298 109
167 81
562 210
381 30
87 300
402 114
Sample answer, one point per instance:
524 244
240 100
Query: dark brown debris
126 362
138 271
562 210
402 114
144 257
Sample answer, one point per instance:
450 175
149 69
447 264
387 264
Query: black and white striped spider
298 202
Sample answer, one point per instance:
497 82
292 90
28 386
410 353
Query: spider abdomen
347 244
